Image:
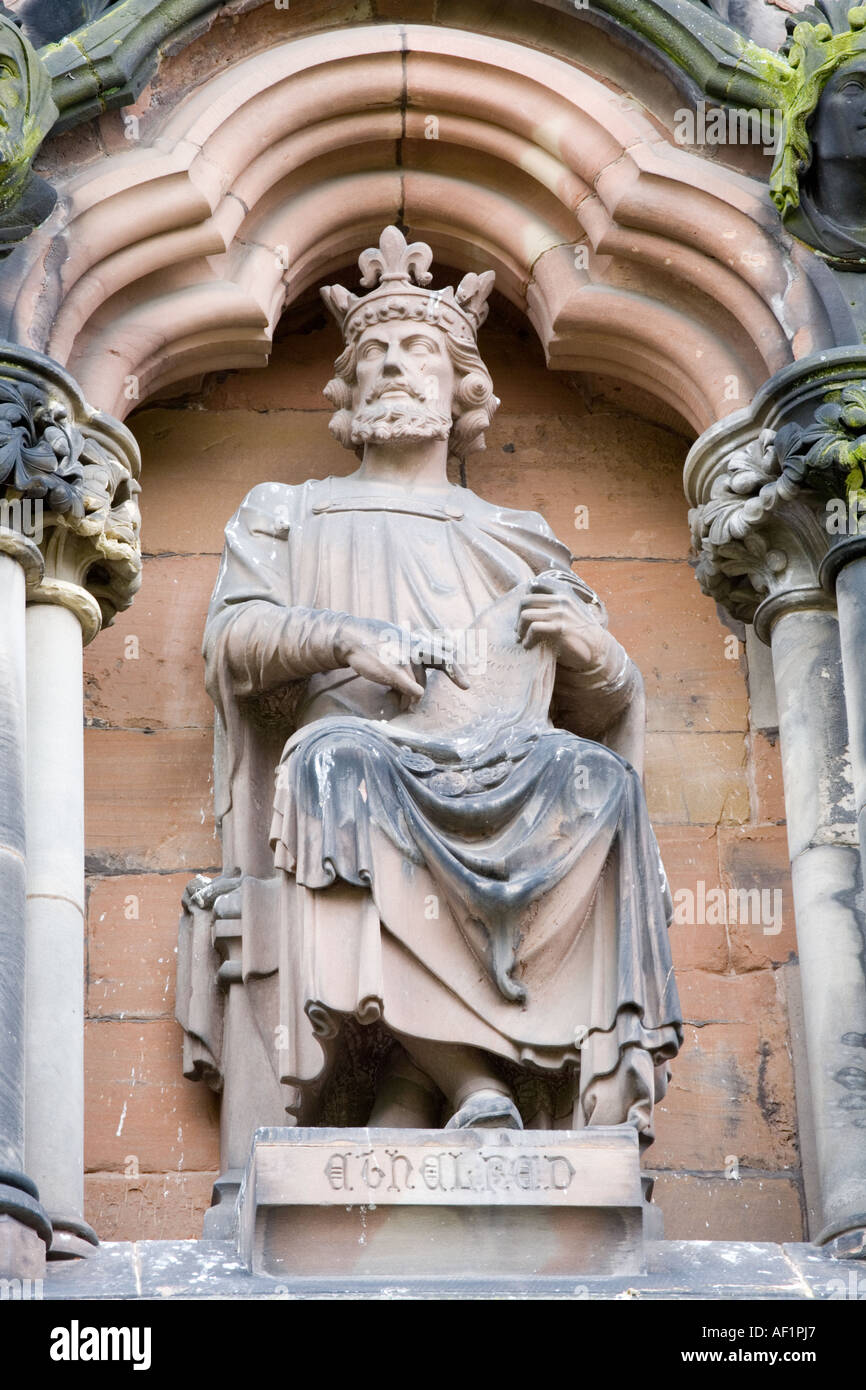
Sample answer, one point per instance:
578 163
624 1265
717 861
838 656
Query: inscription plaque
417 1202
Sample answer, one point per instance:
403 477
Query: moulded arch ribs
173 260
615 359
482 226
150 331
193 358
109 215
472 143
489 169
665 188
333 147
318 228
276 172
560 107
650 347
569 315
664 388
681 277
264 120
340 69
173 286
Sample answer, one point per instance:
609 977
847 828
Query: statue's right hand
373 649
383 653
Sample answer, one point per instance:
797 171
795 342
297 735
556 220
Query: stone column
84 517
827 883
24 1228
836 467
55 920
844 573
760 530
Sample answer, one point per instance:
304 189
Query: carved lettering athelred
454 1170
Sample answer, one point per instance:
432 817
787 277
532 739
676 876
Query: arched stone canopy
630 255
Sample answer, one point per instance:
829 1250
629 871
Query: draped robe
479 869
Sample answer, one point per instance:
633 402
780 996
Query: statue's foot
486 1110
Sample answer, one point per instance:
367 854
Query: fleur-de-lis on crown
397 275
395 260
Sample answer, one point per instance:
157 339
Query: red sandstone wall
714 790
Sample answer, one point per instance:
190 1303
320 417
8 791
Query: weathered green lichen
27 110
106 63
814 55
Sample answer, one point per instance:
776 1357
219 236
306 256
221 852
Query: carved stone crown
399 275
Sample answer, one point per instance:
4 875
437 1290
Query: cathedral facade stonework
501 747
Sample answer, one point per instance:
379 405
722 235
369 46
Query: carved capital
69 482
768 482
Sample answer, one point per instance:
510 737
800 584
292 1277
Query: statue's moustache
397 384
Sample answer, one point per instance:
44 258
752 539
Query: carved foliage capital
760 533
69 479
768 485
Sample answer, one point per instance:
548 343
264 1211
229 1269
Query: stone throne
442 915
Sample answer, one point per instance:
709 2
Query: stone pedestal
400 1202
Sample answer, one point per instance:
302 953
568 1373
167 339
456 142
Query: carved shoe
486 1110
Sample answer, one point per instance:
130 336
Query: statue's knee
604 766
331 755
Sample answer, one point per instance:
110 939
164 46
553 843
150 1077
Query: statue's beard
383 420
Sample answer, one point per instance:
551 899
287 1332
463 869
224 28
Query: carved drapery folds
68 478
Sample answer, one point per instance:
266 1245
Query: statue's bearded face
404 384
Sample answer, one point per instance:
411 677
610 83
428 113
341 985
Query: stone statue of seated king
442 903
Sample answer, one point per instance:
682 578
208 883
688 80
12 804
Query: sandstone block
674 637
142 1115
159 813
749 1208
148 1206
754 859
732 1090
558 464
690 856
146 671
132 944
698 779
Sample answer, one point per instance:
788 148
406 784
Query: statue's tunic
471 871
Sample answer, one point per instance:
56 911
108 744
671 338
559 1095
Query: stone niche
713 786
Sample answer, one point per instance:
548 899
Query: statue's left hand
554 614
